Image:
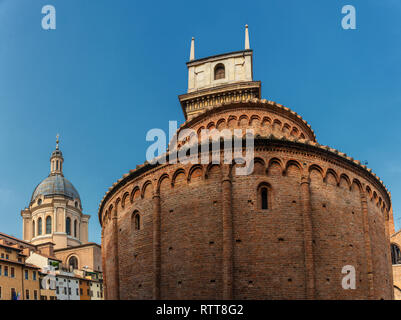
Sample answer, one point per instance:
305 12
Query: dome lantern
56 160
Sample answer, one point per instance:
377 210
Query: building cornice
270 141
216 57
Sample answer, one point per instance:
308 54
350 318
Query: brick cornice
304 147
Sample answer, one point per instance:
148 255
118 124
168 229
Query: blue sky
112 70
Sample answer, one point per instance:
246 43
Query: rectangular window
26 275
57 290
35 295
7 256
34 275
77 292
65 290
13 295
12 272
69 291
87 292
27 295
6 271
81 291
0 270
0 292
2 255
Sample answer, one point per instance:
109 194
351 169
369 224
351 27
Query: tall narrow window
219 72
264 198
136 221
39 226
68 226
75 228
48 225
33 229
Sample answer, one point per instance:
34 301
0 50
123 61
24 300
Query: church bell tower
221 78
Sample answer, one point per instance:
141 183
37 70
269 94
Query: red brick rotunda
199 231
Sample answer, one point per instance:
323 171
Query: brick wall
216 242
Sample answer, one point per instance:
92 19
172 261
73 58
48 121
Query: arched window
395 254
48 225
75 228
219 71
33 229
39 226
73 263
263 196
39 202
136 221
68 226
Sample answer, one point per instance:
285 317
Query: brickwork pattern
203 234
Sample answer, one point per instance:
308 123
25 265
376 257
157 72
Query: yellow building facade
18 280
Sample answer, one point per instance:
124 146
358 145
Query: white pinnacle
247 46
192 54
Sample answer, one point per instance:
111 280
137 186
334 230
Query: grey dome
54 185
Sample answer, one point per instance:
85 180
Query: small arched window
76 204
48 225
136 221
395 254
68 226
263 196
75 228
73 263
219 71
33 229
39 226
39 202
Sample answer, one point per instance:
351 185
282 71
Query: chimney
46 249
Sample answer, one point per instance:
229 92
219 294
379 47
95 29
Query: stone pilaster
116 294
368 249
228 248
308 237
388 247
156 245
